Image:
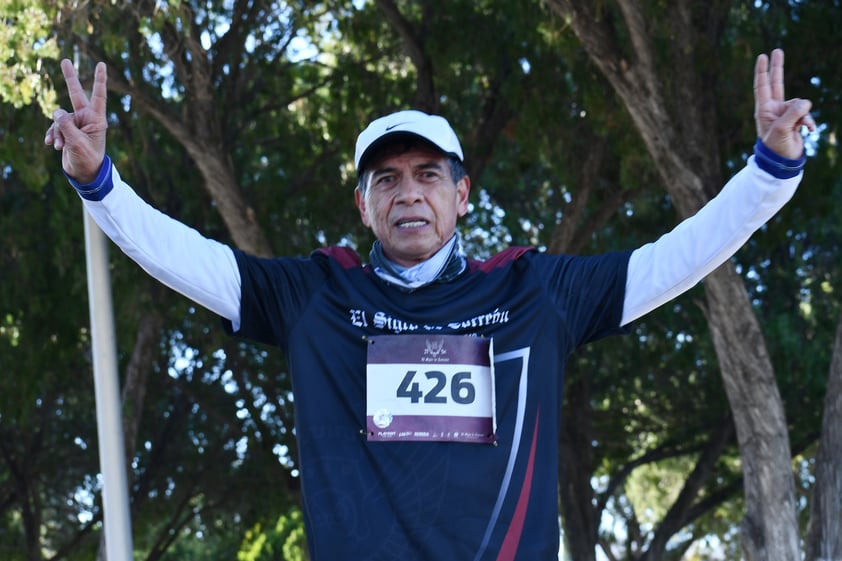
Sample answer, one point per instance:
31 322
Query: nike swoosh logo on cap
390 127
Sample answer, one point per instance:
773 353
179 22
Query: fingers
762 90
776 76
779 121
78 99
55 135
796 115
87 113
769 82
783 136
807 121
99 91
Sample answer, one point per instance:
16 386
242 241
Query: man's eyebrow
430 165
380 171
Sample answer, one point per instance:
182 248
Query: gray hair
457 168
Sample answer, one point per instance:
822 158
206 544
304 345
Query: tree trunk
770 531
576 464
824 533
223 186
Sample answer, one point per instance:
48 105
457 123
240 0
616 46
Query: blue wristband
778 166
97 189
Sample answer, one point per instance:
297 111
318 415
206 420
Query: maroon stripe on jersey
510 543
345 256
499 260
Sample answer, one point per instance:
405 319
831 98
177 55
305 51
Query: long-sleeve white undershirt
661 270
206 271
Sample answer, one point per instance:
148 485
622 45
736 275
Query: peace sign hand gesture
81 135
779 121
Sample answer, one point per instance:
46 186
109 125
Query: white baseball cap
432 128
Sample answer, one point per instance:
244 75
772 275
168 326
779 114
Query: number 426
462 391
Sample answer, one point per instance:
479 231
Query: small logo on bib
382 418
433 349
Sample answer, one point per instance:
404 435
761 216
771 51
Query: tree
25 43
253 108
673 113
285 541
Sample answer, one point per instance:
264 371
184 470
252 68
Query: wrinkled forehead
399 145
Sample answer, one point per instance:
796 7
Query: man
428 385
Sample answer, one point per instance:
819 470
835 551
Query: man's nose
409 191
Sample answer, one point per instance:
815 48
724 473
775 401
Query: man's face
411 203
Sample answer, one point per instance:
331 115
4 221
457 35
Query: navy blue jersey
372 501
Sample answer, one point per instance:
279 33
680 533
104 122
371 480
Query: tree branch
425 96
676 517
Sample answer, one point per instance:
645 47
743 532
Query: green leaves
285 541
26 42
274 94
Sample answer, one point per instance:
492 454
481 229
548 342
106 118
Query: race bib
430 388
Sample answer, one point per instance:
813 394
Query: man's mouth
414 223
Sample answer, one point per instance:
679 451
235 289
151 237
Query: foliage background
239 119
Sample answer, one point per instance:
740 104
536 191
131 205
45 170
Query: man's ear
463 191
359 199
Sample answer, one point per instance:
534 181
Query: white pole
112 456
